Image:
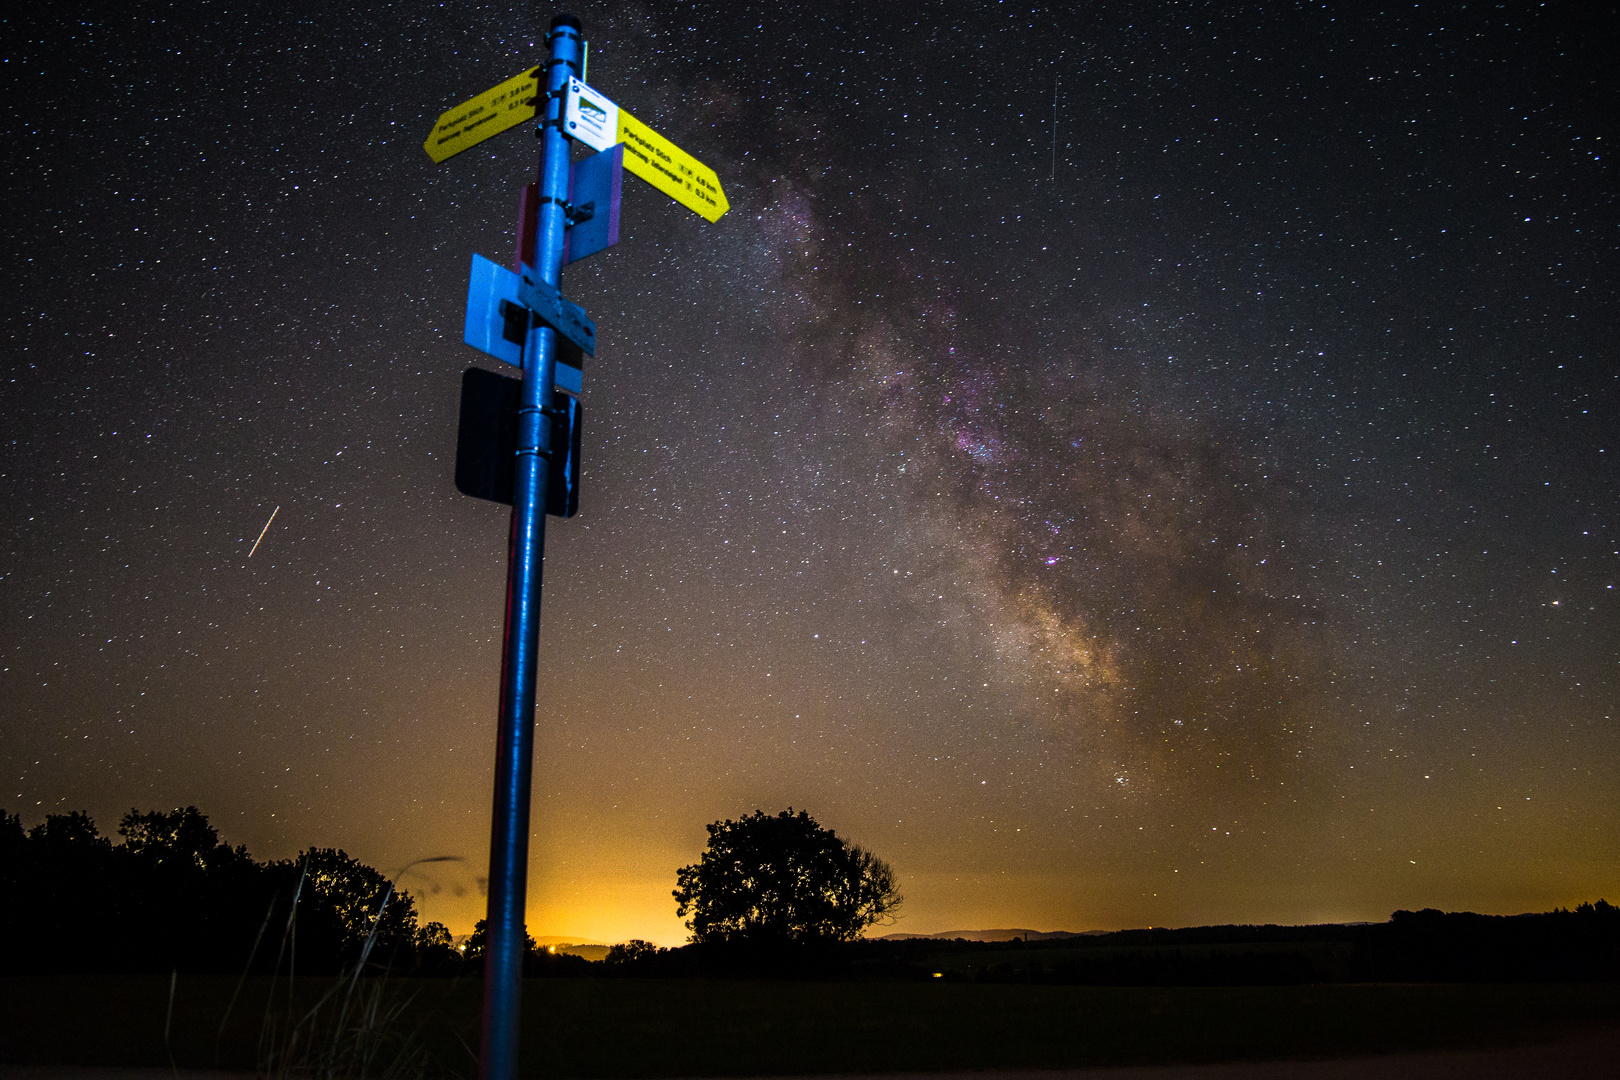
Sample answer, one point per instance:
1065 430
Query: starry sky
1125 464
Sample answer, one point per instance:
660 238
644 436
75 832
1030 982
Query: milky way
1185 497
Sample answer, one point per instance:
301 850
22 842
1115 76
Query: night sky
1203 510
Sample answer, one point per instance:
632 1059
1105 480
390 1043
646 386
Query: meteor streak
262 531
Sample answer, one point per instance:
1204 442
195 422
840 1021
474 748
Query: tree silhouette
350 904
173 896
634 951
781 879
185 899
473 948
177 836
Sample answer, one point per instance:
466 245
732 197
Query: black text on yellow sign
490 113
670 169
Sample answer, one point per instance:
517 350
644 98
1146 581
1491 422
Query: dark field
633 1027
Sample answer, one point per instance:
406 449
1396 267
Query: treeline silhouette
171 895
1582 945
1424 946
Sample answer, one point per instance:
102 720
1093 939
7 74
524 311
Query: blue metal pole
507 934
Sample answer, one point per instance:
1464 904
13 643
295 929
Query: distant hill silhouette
1582 945
588 948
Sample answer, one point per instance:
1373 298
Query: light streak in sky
262 531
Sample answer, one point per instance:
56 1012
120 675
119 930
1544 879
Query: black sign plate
486 443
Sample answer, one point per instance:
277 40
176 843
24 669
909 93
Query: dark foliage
538 962
1436 946
632 952
1426 946
173 896
812 959
1559 946
768 881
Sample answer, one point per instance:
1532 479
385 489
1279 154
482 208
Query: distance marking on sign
490 113
590 116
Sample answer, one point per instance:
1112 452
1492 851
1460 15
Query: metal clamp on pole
521 450
574 214
542 101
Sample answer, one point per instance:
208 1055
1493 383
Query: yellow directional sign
490 113
593 119
670 169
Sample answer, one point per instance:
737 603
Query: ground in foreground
622 1028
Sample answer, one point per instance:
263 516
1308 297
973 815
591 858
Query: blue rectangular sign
596 182
595 191
497 321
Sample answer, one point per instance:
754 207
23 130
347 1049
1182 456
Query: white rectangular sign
590 116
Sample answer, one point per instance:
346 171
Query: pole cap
567 20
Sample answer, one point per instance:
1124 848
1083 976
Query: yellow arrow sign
593 119
670 169
490 113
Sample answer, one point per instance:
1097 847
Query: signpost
519 441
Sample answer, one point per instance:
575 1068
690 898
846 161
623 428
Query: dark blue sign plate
596 182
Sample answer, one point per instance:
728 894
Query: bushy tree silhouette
184 898
781 879
176 836
474 946
634 951
353 904
173 896
56 900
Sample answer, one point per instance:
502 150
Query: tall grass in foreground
353 1031
361 1027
